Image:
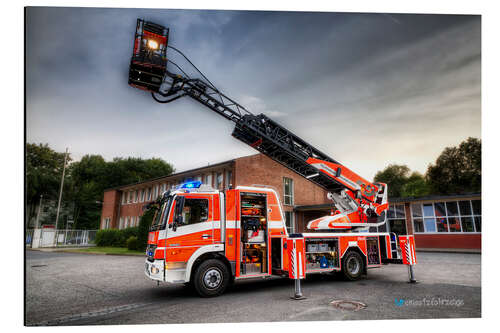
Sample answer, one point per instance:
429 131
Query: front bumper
155 270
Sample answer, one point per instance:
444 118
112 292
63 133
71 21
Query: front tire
352 265
211 278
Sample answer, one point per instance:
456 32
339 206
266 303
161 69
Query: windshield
161 214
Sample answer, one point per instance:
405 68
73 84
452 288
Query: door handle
205 236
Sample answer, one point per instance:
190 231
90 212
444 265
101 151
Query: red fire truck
210 238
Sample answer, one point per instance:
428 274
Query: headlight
154 270
152 44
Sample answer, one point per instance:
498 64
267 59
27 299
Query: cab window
195 211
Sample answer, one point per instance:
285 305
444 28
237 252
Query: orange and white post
297 264
407 245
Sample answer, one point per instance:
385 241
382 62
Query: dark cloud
370 89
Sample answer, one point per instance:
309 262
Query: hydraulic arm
357 201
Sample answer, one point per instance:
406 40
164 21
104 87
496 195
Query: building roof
173 175
397 200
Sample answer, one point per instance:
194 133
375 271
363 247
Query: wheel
352 265
211 278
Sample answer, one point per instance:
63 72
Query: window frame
290 196
395 217
292 221
458 215
207 207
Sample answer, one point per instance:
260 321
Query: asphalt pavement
86 289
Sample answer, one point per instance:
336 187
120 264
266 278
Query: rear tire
353 265
211 278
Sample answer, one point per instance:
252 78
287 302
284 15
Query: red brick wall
448 241
260 169
110 204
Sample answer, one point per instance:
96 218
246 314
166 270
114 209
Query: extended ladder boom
148 72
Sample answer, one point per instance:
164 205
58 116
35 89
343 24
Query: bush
107 237
115 237
132 243
143 230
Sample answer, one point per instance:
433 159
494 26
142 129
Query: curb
463 251
95 253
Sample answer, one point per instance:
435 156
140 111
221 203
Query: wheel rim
212 278
353 266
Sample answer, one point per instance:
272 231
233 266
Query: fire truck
210 238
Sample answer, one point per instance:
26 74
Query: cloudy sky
367 89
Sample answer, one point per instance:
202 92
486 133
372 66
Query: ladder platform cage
148 64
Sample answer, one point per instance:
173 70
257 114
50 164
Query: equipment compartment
253 233
321 253
373 252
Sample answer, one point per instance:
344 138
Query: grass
108 250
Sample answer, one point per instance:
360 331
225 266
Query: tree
395 176
457 169
92 175
144 225
43 175
416 186
88 180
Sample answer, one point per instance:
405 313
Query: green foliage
132 243
107 237
457 169
395 176
143 229
115 237
44 168
416 186
43 171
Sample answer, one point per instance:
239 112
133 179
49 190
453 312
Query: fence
60 238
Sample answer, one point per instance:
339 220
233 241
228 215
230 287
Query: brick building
122 206
446 222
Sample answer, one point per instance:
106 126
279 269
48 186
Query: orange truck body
174 253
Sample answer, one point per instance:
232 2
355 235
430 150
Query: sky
367 89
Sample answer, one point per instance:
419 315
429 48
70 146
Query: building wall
449 241
262 170
125 204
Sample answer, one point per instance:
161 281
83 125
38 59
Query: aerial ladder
357 202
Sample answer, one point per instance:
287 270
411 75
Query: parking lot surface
84 289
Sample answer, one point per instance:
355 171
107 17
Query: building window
120 226
129 197
105 223
143 194
219 180
444 217
124 198
149 194
229 178
288 191
396 218
208 179
290 226
136 196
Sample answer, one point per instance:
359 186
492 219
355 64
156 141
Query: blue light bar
193 184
